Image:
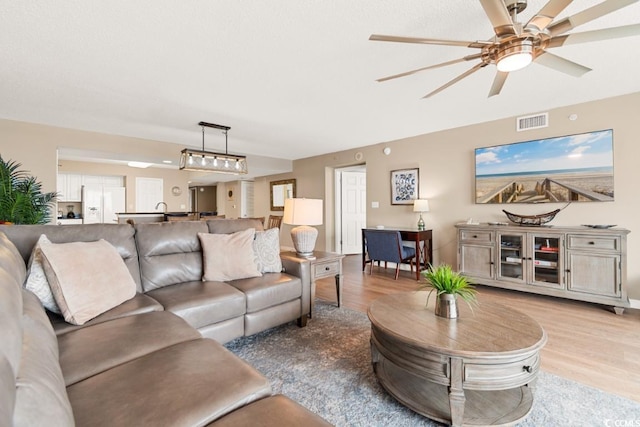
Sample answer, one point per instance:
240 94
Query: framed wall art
404 186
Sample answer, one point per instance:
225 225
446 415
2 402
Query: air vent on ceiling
535 121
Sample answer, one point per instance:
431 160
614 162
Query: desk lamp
303 213
421 205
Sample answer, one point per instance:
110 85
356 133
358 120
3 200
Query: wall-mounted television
573 168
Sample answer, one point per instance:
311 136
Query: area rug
326 367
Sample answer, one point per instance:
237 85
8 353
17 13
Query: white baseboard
635 303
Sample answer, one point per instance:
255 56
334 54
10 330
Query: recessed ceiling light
141 165
167 162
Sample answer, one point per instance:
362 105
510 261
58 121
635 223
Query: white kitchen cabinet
68 221
69 187
106 180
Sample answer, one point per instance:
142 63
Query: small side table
325 264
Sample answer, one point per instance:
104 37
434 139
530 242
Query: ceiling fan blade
419 40
499 17
443 64
547 14
457 79
595 35
560 64
587 15
498 82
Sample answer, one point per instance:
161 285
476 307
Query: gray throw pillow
267 248
37 280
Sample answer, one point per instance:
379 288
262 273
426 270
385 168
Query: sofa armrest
300 268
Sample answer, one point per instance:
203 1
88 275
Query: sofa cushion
192 383
10 308
41 396
121 236
266 246
228 226
273 411
140 303
86 278
37 279
135 336
7 392
228 256
11 258
170 252
269 290
201 303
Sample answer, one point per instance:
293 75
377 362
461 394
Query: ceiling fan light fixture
515 56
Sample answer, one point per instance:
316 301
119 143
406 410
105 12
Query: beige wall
35 146
446 163
446 167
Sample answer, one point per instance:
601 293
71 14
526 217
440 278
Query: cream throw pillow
228 256
267 248
37 280
86 278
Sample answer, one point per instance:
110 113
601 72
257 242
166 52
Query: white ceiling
293 78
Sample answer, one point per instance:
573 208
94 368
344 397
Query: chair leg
371 268
397 270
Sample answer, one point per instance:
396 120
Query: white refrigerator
100 204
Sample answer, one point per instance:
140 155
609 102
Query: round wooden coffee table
478 369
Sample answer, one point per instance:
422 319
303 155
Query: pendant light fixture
209 161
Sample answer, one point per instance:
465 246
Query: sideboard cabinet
578 263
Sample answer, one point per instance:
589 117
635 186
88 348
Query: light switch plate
375 205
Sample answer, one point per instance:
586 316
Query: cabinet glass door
546 260
511 256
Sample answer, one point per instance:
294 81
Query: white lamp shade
302 212
421 205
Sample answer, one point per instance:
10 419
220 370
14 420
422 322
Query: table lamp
421 205
303 213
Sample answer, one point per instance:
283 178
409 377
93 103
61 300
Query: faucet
165 206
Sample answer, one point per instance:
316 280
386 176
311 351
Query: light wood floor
586 343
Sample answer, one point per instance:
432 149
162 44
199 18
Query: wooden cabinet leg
456 393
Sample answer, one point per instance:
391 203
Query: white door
353 210
149 192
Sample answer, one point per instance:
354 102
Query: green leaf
21 198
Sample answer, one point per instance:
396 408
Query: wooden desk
424 246
478 369
325 264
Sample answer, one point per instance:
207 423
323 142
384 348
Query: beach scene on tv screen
573 168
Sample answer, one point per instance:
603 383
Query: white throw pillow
267 248
37 280
86 278
228 256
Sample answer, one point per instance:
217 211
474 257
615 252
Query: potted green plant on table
448 285
21 198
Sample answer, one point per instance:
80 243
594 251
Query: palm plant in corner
21 198
448 286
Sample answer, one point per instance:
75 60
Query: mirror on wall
281 190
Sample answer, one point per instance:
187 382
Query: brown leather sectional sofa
157 358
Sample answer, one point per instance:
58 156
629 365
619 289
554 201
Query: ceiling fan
516 45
